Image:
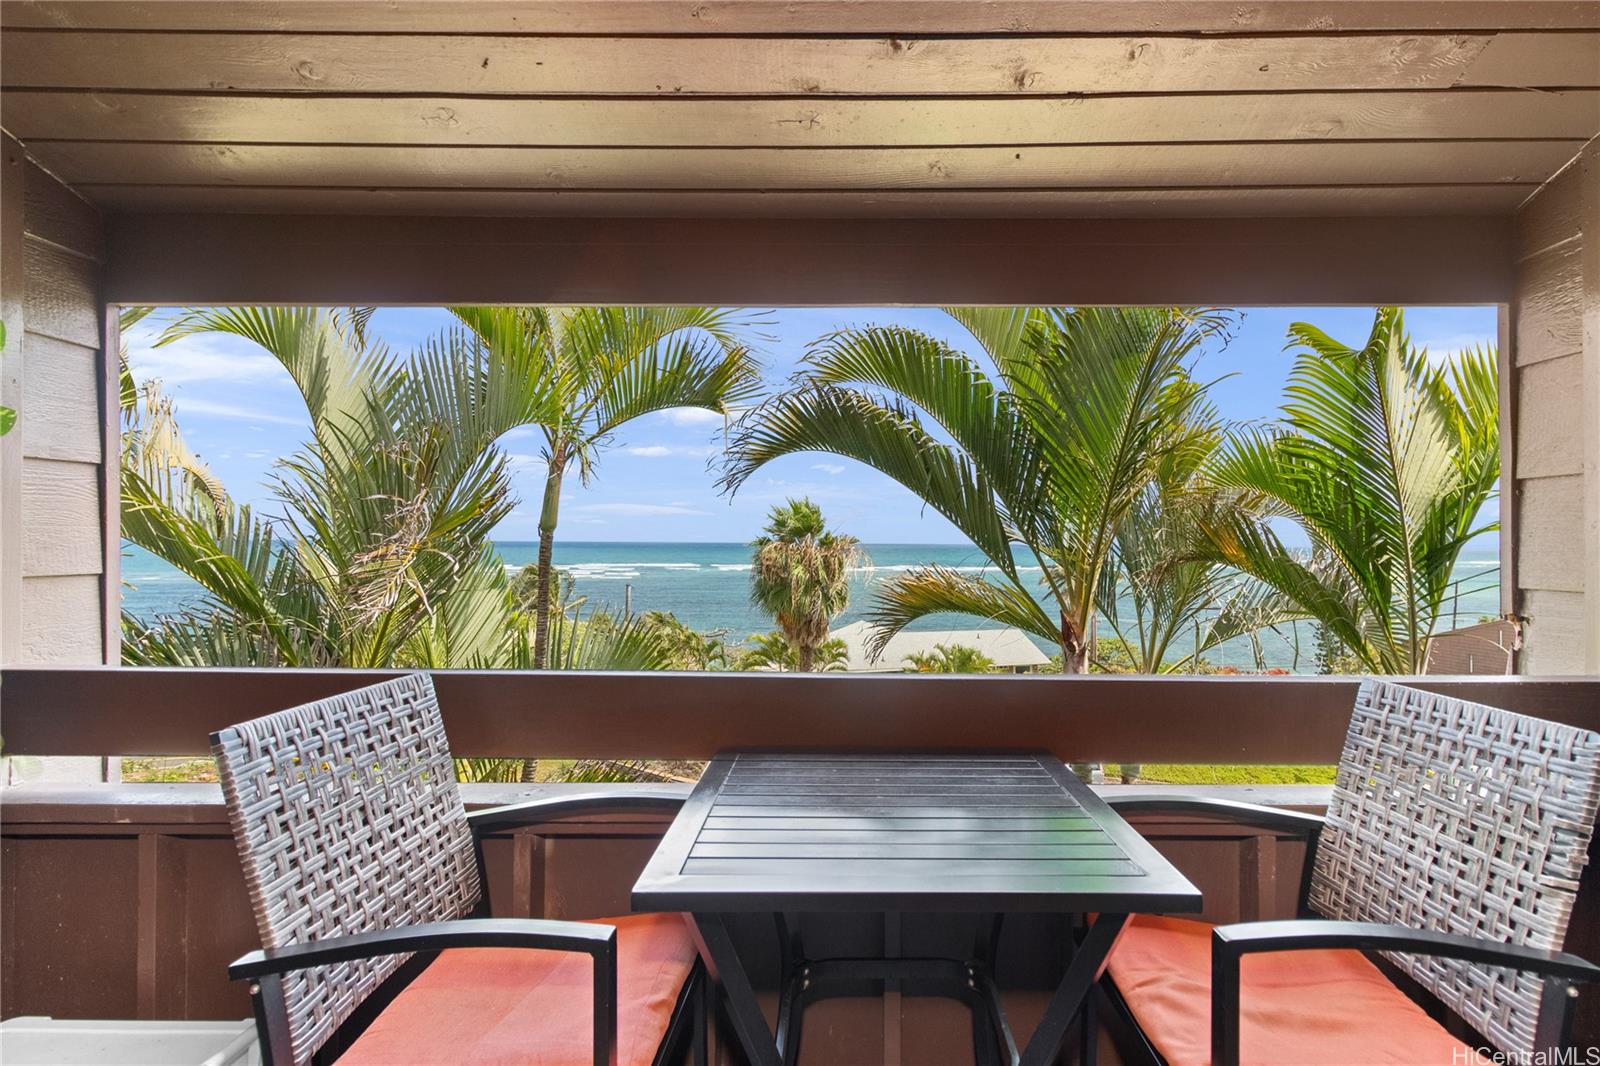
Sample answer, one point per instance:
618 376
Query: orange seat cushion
1295 1007
521 1007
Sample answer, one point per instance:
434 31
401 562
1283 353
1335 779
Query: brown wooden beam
805 123
711 17
315 259
134 711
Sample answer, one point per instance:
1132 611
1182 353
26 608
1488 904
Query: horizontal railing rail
157 711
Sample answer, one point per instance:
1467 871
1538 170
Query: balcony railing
126 901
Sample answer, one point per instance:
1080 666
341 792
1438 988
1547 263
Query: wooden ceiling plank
1374 163
413 65
808 16
812 123
1047 203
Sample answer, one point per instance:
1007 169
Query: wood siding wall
54 568
1554 384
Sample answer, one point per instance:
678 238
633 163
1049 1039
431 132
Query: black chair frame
1230 943
264 969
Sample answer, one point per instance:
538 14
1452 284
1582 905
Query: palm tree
1165 587
690 649
773 651
950 659
1384 461
801 575
381 556
602 367
1047 455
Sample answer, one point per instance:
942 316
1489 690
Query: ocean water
708 587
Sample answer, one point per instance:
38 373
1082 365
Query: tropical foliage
597 369
1038 463
1385 460
687 648
382 555
950 659
1166 598
775 651
8 415
800 574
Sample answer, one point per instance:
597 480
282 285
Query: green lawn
1158 773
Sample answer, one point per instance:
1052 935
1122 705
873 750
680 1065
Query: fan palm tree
1385 460
602 367
950 659
801 575
1042 460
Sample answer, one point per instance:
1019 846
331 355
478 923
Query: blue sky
241 413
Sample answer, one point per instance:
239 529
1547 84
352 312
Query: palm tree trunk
1075 660
547 541
805 657
1074 649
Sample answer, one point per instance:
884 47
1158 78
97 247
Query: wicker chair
367 881
1453 846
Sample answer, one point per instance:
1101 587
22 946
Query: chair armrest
597 941
611 801
1308 825
1230 943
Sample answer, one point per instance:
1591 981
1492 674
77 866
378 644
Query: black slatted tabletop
837 831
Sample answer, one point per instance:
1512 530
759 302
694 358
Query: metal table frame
712 889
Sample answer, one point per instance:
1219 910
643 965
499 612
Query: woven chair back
347 819
1460 818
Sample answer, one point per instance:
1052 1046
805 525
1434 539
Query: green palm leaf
1385 462
929 590
890 439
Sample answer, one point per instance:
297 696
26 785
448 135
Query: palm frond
929 590
339 376
889 439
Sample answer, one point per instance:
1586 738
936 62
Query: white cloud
637 510
692 416
186 405
658 451
203 358
1445 350
522 463
828 468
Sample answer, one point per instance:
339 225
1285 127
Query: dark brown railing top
154 711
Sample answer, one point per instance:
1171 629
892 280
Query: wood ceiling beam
224 259
810 16
403 64
1371 163
1484 115
1009 203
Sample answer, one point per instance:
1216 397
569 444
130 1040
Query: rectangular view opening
1002 490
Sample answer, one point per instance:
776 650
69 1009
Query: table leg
791 985
1088 962
744 1010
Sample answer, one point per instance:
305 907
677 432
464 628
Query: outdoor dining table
785 833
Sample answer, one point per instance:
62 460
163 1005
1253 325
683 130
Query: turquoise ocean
707 587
